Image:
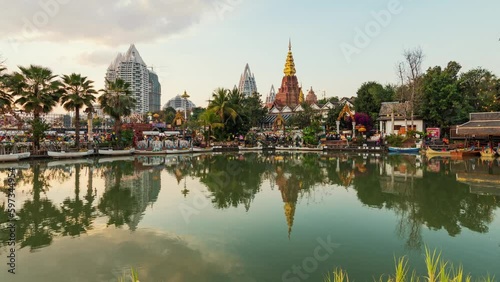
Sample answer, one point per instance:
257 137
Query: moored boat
18 165
201 150
14 157
283 148
430 151
466 152
312 149
67 155
69 162
150 152
404 150
243 148
116 159
111 152
179 151
488 153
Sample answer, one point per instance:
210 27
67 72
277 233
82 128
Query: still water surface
249 217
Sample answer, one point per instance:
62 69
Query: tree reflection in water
420 192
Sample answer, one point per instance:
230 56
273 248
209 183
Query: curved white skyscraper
247 84
144 84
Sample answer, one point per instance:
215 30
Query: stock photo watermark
222 7
11 225
363 37
47 9
309 265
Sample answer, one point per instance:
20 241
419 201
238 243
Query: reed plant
132 277
438 270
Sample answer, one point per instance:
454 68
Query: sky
200 45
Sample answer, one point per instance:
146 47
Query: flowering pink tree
362 119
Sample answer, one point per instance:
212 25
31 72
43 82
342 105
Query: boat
150 152
202 150
283 148
66 155
470 152
403 150
312 149
111 152
116 159
69 162
179 151
430 151
243 148
23 165
488 153
14 157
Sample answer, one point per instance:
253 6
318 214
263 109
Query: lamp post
353 129
90 130
185 96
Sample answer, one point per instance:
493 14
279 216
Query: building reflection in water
440 193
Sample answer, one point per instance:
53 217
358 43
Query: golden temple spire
289 65
301 96
289 214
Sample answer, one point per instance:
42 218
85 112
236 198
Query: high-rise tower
247 84
288 93
144 84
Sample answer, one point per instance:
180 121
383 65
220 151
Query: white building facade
247 85
180 104
131 68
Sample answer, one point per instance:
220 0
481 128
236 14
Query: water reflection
438 193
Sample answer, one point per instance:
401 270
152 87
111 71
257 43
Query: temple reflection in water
70 198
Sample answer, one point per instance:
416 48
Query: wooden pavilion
485 125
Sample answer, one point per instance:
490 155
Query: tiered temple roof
311 97
289 92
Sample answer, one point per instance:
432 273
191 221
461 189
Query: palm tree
78 92
117 101
38 92
212 120
221 105
5 97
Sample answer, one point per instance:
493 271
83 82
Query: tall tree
370 97
38 93
5 97
480 88
169 114
117 101
78 92
445 105
254 111
211 120
410 73
221 104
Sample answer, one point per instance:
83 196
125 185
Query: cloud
96 58
104 255
110 22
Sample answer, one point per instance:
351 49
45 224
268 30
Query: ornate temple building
311 97
289 188
247 85
289 92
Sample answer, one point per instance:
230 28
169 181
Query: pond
246 217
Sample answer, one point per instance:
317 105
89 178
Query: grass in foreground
438 270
